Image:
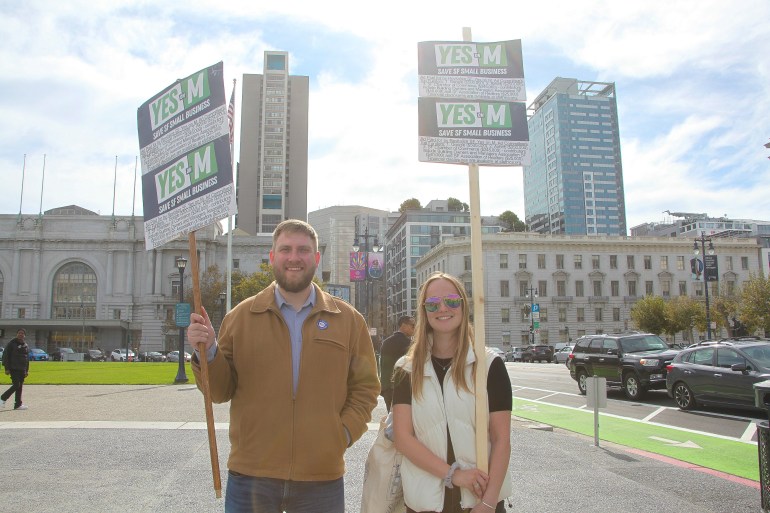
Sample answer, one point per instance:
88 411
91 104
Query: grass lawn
102 373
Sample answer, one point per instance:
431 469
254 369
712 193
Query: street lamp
222 301
375 248
83 320
696 251
531 294
181 376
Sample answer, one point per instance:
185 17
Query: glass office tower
574 184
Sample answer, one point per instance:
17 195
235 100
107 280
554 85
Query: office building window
647 262
503 261
698 288
542 288
665 286
615 288
595 261
504 292
664 262
562 314
525 314
729 263
632 288
682 288
560 261
616 314
578 261
522 261
579 288
597 288
648 288
613 261
505 314
467 263
543 314
561 288
680 263
598 314
581 314
630 261
745 263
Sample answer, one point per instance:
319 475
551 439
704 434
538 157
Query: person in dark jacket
393 348
16 363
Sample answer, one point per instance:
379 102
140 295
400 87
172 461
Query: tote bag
382 491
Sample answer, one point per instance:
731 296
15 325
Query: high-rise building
272 172
574 185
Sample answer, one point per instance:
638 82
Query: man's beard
298 284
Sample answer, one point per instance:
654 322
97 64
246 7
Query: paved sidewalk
144 449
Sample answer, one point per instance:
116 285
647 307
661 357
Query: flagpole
23 172
230 217
114 187
42 183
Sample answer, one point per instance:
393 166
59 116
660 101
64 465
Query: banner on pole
184 141
357 266
473 132
483 71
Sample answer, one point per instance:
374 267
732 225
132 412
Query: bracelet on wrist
488 505
450 474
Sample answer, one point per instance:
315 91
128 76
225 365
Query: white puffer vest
422 490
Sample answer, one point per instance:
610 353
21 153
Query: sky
692 81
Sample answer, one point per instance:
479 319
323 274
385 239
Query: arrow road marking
689 444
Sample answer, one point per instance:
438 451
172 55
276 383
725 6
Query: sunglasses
432 304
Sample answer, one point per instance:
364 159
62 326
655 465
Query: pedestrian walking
393 348
16 364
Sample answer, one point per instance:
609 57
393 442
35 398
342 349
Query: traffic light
531 329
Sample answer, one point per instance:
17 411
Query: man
393 348
16 363
298 368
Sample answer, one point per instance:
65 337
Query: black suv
636 361
538 352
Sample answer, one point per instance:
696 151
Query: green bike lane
630 425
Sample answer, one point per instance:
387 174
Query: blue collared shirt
294 320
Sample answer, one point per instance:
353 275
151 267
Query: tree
755 304
511 222
649 314
722 308
410 204
681 314
455 205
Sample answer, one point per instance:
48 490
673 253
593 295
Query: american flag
231 115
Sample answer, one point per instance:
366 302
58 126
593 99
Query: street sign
182 315
536 308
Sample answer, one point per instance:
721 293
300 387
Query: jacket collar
265 301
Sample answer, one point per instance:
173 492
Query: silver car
562 355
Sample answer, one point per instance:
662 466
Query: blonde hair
419 351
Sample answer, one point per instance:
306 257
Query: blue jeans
246 494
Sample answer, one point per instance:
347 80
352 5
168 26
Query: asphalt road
144 449
552 384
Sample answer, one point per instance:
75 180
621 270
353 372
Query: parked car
60 354
514 355
37 355
94 355
151 356
537 353
173 356
119 355
499 351
562 355
634 361
719 373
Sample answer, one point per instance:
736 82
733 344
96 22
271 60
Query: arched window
74 292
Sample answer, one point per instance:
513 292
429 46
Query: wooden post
205 373
477 273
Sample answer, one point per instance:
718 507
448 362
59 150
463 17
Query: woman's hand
473 479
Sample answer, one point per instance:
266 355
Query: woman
434 410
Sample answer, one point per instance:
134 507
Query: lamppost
222 300
83 320
375 248
697 251
181 376
531 294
